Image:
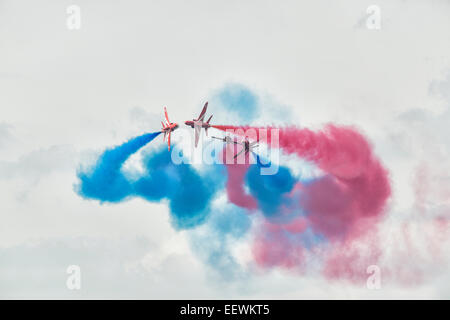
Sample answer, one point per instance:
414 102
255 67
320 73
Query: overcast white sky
67 93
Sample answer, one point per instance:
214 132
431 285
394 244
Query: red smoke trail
343 206
341 151
272 247
235 182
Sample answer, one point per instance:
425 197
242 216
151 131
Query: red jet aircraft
168 127
198 124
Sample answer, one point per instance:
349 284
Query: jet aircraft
199 123
167 128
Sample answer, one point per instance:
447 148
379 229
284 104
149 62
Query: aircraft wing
235 142
202 114
198 129
165 113
239 153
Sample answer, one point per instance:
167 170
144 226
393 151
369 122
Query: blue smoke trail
105 181
270 190
213 241
188 192
240 100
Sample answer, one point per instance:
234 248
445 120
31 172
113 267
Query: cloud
213 242
144 119
239 100
39 163
5 134
235 102
285 48
188 191
110 268
441 88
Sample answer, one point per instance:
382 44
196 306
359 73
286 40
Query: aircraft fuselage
170 127
198 124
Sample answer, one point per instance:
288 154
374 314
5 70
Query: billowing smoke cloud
105 180
188 193
341 207
288 218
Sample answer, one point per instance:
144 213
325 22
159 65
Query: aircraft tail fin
202 114
166 115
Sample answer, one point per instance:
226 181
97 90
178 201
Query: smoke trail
214 242
104 181
343 206
328 223
271 191
341 151
293 217
236 179
344 154
188 192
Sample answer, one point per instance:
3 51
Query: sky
67 95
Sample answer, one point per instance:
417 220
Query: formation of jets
197 125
